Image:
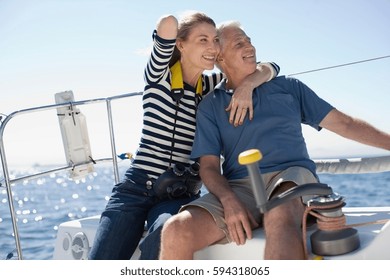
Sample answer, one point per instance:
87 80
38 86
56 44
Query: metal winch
333 237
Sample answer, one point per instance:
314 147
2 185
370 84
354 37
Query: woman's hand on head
167 27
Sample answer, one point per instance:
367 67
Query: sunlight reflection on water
42 204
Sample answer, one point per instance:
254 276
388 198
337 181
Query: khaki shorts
242 188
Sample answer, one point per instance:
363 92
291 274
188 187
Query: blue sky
99 48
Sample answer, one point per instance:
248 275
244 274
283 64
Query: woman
162 177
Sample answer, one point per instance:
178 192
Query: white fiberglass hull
75 238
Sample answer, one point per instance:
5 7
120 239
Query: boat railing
353 165
7 181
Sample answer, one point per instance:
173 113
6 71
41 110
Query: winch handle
250 158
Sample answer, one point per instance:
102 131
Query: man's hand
239 220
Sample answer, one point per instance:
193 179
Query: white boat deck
75 238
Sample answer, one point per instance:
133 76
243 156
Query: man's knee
286 215
178 226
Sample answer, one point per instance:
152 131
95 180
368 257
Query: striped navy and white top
168 127
161 135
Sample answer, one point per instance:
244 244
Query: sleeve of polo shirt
313 108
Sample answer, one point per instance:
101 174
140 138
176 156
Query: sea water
43 204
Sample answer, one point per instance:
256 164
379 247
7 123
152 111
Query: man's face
237 52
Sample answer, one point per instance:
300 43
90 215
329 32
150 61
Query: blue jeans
122 223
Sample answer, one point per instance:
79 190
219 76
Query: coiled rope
329 223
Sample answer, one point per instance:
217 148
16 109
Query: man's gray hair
226 25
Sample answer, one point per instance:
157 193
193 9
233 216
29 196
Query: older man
228 212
